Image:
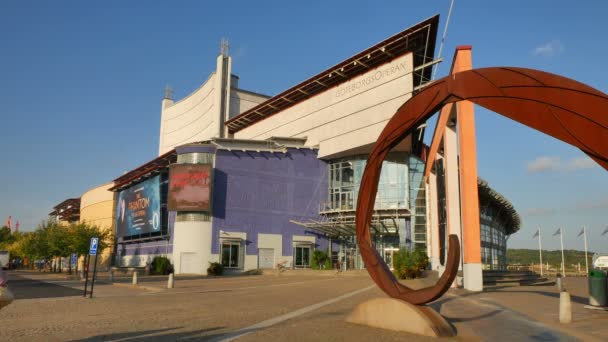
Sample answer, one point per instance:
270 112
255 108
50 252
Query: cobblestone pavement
201 308
541 304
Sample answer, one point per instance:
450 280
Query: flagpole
585 236
561 238
540 251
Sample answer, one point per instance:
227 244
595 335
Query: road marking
235 288
272 321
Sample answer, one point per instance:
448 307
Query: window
231 254
302 256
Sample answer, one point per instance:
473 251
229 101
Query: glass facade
344 179
497 220
493 238
418 202
400 217
400 200
442 215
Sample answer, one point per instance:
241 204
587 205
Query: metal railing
381 204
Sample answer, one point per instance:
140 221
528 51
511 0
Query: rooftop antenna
168 93
224 47
445 31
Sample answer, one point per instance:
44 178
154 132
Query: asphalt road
25 288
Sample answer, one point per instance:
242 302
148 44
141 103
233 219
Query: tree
81 234
58 239
37 246
14 247
52 239
6 237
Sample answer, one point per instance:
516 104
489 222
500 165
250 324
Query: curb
149 288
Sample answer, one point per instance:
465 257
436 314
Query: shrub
215 268
161 265
410 264
319 258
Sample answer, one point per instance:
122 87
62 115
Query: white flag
536 234
581 233
557 232
605 231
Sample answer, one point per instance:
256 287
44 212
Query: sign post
93 252
87 259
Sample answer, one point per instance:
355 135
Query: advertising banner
190 187
138 208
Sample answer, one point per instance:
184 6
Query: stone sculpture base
6 297
394 314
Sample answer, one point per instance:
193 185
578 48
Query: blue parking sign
93 247
73 258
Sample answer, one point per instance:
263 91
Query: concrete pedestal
473 277
394 314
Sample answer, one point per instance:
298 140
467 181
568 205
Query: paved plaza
293 306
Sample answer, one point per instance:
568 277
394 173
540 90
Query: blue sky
81 84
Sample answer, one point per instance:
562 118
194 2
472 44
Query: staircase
514 278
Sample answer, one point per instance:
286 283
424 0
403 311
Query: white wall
304 238
433 220
274 241
452 184
192 237
242 100
344 117
197 116
190 119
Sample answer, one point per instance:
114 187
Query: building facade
271 179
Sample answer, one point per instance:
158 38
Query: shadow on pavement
143 335
486 315
24 288
576 299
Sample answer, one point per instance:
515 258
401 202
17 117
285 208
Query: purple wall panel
259 192
158 247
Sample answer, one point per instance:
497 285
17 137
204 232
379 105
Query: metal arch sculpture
560 107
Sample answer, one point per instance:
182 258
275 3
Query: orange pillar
471 236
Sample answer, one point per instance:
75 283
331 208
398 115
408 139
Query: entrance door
302 256
266 258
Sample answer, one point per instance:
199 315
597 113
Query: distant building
67 211
97 209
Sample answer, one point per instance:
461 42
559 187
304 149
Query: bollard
558 283
565 307
111 276
134 277
170 281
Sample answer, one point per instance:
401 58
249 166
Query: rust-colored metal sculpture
560 107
